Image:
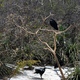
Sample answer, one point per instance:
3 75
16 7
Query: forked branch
56 32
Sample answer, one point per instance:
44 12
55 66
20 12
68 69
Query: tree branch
44 19
49 48
59 32
25 29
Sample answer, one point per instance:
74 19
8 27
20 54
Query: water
50 74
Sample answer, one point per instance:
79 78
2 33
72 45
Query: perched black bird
53 23
40 71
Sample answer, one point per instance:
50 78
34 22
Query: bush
75 75
5 71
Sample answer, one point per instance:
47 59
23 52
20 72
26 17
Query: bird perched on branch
40 71
53 23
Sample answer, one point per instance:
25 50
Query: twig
24 29
44 19
49 48
59 32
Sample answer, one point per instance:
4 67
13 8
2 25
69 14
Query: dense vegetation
19 16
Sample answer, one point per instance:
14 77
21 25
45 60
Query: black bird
40 71
53 23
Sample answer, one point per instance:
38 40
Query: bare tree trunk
54 53
59 66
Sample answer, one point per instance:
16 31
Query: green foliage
61 28
0 35
22 64
5 71
67 47
77 71
29 63
71 52
1 3
75 75
6 42
35 27
28 45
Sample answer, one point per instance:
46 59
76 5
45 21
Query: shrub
5 71
75 75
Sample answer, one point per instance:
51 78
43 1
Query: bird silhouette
40 71
53 23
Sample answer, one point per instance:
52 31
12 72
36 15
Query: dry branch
56 32
25 29
54 50
44 19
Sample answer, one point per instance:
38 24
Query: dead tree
56 32
49 48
